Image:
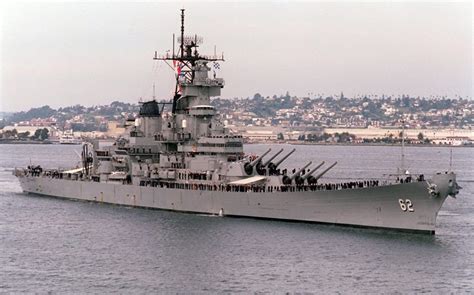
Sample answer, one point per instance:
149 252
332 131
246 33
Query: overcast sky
66 53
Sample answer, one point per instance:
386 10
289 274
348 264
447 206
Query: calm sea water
53 245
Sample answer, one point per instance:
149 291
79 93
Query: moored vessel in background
185 159
68 138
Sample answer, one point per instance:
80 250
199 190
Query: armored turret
272 167
248 167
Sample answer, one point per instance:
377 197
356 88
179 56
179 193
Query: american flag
177 67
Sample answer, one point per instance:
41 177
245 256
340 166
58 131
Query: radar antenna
185 60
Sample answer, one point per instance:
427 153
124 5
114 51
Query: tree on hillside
258 96
44 134
41 134
37 134
24 135
42 112
10 134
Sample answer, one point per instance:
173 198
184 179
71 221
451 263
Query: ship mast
185 60
182 33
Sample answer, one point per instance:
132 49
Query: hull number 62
406 205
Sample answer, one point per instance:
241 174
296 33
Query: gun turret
273 166
288 179
261 165
248 167
314 179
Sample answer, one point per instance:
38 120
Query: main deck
407 206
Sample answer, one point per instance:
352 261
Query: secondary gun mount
314 179
248 167
261 166
272 167
288 179
300 179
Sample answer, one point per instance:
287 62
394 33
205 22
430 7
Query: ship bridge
202 110
221 144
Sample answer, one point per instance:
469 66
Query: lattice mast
185 60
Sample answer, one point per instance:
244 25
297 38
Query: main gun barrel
312 171
325 171
259 158
284 158
271 158
299 171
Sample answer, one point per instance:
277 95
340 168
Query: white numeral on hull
406 205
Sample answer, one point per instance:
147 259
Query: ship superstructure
185 159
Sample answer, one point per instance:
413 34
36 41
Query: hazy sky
65 53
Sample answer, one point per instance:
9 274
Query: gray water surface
54 245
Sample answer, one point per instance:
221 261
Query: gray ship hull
379 207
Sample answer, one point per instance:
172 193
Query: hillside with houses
309 119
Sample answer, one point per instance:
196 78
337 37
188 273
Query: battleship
178 155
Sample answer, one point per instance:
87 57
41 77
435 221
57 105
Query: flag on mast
177 67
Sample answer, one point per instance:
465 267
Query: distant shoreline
284 142
358 144
24 142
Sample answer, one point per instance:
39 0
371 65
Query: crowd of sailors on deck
38 171
257 188
409 179
34 170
